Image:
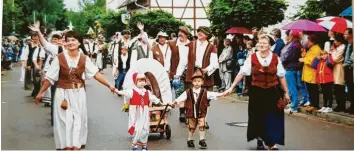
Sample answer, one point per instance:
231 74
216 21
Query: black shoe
182 118
203 144
190 143
206 125
260 145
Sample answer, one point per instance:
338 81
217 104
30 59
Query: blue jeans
303 90
120 80
291 78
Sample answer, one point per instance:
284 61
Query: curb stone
335 117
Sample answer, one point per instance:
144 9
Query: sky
71 4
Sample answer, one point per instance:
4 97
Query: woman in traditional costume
266 107
70 68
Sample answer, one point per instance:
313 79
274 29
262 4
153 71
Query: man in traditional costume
139 117
179 55
201 54
37 60
141 48
99 54
162 51
121 58
23 58
29 63
70 69
196 103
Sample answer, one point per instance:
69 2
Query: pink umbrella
303 25
336 24
238 30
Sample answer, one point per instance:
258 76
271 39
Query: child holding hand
196 103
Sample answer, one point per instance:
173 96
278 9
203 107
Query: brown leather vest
264 77
201 105
157 54
174 58
73 79
208 80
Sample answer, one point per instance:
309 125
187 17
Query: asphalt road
25 125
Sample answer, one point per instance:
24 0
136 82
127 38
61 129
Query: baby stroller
159 84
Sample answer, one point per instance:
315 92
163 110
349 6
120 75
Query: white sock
201 135
190 136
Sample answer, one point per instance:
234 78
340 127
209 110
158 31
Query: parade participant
123 65
99 55
225 61
54 38
141 47
179 53
201 54
265 108
23 58
29 64
37 60
70 69
113 49
91 47
121 58
205 57
139 117
196 103
162 51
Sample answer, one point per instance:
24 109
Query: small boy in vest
139 117
324 76
196 103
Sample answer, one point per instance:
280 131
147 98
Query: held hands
113 89
227 92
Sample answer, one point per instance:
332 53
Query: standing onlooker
328 44
338 71
348 69
279 43
309 74
290 59
225 62
324 76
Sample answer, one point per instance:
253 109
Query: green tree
50 11
11 17
224 14
112 22
85 17
314 9
154 21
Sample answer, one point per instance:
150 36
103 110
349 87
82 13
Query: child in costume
196 103
139 118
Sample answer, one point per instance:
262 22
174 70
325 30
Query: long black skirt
265 120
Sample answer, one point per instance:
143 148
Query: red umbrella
303 25
335 24
238 30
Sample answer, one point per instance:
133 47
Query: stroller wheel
168 131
